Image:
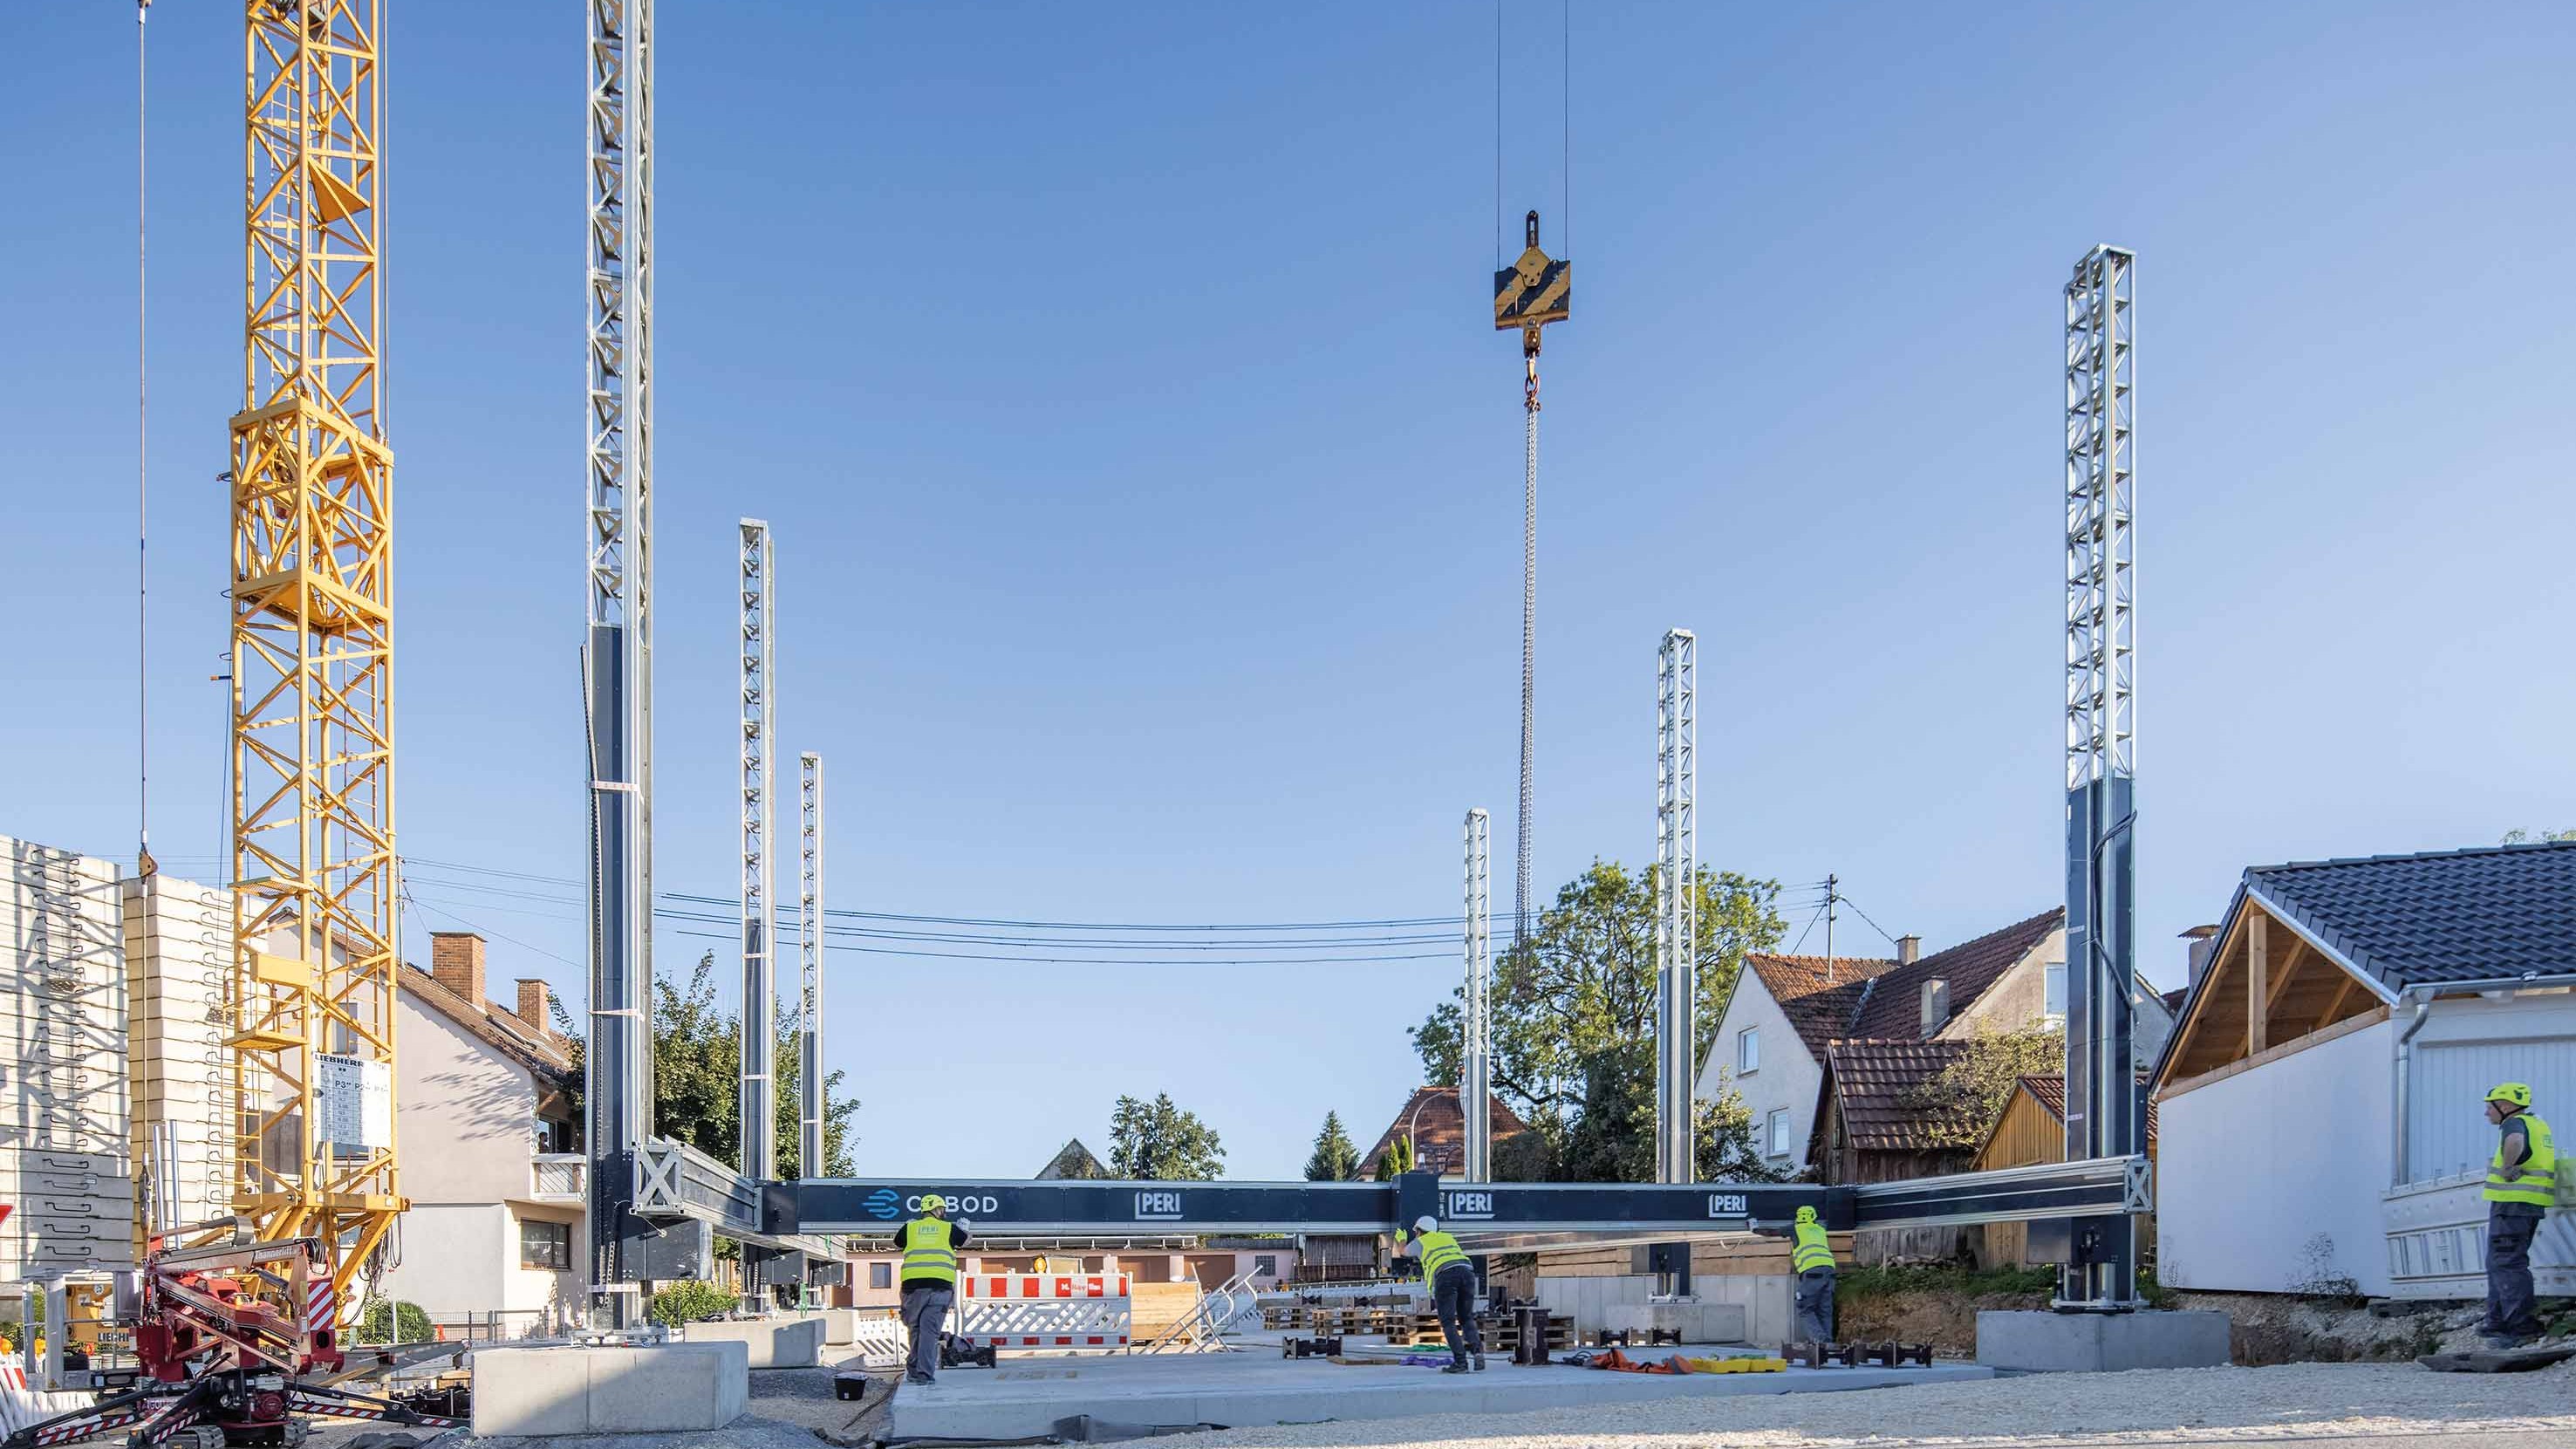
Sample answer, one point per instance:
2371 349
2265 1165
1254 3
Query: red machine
229 1336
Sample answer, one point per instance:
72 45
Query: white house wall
461 1261
469 1114
2272 1177
2467 1046
1788 1077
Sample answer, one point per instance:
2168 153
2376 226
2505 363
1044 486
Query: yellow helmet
1806 1214
2516 1093
932 1202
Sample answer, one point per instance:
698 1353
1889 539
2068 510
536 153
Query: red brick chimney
456 962
532 1003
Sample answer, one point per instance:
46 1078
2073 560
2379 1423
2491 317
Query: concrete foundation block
564 1390
840 1325
773 1342
2040 1342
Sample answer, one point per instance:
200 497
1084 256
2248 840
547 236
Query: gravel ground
2174 1406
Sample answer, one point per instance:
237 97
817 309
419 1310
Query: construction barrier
1061 1311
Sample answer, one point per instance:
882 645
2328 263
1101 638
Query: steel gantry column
617 654
2103 1106
811 1160
758 1102
1676 903
1476 1061
311 813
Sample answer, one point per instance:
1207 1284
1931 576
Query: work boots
1480 1363
1457 1365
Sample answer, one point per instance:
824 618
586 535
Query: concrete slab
2034 1342
1239 1390
773 1342
562 1389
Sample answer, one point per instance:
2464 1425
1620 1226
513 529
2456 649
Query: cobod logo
1726 1205
885 1204
1157 1205
1470 1205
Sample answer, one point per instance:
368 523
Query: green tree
837 1109
1395 1161
1158 1142
1584 984
2525 837
1960 1102
1334 1158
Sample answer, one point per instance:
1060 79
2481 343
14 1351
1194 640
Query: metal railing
557 1175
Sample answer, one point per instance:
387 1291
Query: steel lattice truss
2101 550
1476 1062
1676 902
810 1156
312 810
759 1121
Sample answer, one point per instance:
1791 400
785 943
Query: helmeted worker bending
1452 1280
2522 1184
930 1244
1812 1258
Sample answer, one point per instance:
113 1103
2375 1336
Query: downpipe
2405 1065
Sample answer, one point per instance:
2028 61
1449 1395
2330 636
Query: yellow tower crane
312 811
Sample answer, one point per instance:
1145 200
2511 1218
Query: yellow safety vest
1813 1251
926 1250
2538 1184
1439 1250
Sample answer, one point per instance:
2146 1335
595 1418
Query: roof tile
2454 915
1874 1082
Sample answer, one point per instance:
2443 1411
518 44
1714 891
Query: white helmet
1425 1223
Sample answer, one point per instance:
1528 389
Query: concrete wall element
771 1342
1787 1079
2039 1342
1696 1322
2271 1178
661 1389
1764 1297
840 1325
1586 1300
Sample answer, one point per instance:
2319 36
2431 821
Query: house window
1266 1266
2055 1004
1748 1051
545 1245
1775 1132
881 1275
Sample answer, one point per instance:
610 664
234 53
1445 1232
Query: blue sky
1146 475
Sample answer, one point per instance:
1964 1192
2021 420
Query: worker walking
2522 1185
1452 1280
1812 1258
930 1244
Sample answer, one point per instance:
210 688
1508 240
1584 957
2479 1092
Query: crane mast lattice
311 812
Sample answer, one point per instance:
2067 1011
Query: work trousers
2510 1306
925 1313
1815 1303
1453 1293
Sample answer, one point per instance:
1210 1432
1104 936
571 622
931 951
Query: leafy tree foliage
690 1301
2525 837
1960 1102
1334 1158
1156 1141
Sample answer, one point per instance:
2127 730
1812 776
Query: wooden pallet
2499 1361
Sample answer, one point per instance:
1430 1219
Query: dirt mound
1947 1321
2275 1329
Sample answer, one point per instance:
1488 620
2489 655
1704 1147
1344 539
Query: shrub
689 1301
384 1320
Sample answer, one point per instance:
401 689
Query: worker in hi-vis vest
2522 1185
1452 1281
1811 1257
930 1244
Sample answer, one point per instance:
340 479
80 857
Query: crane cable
143 862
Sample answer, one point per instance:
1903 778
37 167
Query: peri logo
883 1204
1163 1206
1469 1205
1726 1205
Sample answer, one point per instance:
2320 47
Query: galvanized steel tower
1476 1026
1676 902
2103 1103
758 1105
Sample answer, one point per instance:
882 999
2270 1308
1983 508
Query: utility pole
758 1104
617 650
1529 294
2103 1108
1476 1075
810 1157
1833 898
1676 903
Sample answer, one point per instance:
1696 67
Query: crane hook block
1532 292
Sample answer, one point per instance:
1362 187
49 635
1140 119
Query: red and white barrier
1061 1311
